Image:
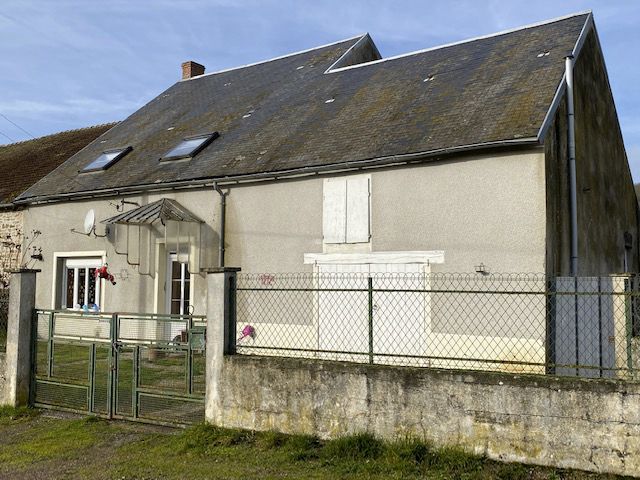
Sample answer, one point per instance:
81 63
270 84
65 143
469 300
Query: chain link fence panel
518 323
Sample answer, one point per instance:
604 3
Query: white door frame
173 257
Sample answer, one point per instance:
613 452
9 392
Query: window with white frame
80 287
346 210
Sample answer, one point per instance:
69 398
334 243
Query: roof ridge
460 42
358 37
59 133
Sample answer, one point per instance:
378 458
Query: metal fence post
50 327
113 365
551 326
189 357
135 381
92 377
230 324
34 358
370 294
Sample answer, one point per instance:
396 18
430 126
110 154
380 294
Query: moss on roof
289 113
24 163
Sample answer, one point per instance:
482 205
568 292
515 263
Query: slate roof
274 116
24 163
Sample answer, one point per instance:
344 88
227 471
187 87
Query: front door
178 296
178 287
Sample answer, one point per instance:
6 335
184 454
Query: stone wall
568 422
11 235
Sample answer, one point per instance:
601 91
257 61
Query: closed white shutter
358 210
334 210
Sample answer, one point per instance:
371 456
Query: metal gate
131 366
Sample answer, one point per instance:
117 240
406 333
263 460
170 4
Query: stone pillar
220 335
22 300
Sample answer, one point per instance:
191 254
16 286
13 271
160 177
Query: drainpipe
573 199
223 208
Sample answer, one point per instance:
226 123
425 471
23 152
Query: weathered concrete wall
12 233
568 423
607 204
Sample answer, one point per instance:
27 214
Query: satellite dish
89 222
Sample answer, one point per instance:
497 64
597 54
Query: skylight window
106 159
189 147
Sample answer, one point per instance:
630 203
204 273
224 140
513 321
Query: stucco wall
479 209
133 292
568 423
11 232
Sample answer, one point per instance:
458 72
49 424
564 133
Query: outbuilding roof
336 105
24 163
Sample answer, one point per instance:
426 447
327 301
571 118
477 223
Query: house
21 165
496 154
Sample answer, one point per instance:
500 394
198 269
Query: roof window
189 147
106 159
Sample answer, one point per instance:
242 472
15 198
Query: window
190 147
106 159
179 287
80 287
345 215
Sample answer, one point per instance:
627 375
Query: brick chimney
191 69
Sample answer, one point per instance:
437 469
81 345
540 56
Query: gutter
571 141
223 208
386 161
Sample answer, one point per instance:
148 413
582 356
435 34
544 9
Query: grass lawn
51 445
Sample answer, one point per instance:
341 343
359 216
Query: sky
68 64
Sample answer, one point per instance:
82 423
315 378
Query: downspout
571 138
223 208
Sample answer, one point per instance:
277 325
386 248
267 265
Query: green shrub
361 446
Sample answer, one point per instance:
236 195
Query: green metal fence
135 366
520 323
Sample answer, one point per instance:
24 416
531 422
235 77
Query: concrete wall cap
24 270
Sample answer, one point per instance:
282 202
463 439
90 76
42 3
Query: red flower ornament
103 272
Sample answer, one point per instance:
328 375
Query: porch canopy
138 233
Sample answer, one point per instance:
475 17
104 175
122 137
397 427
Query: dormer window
106 159
189 147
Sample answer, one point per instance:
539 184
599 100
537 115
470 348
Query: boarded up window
346 210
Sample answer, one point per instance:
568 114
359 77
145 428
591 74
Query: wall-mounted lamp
482 269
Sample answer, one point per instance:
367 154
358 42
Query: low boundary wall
561 422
